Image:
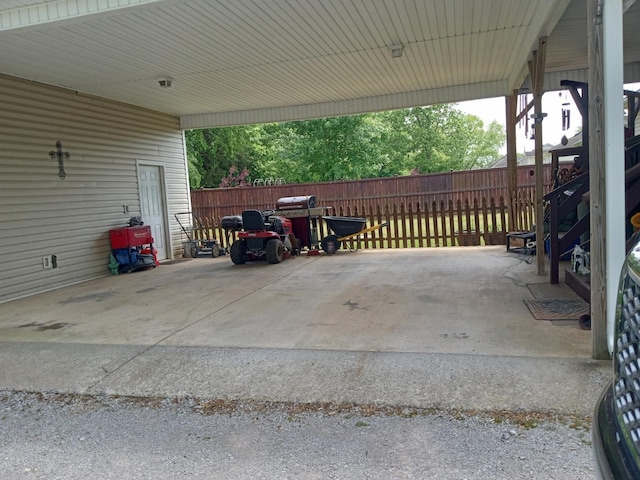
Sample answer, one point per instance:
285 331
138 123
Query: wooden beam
596 181
522 114
512 159
536 71
582 102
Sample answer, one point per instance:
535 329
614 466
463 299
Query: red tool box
133 247
127 237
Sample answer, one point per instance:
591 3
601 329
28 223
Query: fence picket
419 217
396 229
460 229
403 226
443 224
451 239
412 234
468 227
436 229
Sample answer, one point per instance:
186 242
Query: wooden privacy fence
412 189
413 225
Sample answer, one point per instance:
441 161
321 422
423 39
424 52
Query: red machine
132 247
264 236
304 215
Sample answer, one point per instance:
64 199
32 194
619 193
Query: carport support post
536 72
607 166
512 160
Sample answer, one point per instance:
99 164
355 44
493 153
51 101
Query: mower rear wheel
215 250
238 252
275 251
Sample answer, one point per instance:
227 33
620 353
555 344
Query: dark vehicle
616 422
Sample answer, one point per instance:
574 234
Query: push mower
261 236
194 247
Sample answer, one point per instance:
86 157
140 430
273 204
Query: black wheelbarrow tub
345 226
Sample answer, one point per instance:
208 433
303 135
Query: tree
214 151
422 139
441 138
323 150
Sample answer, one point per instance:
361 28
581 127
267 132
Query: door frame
165 200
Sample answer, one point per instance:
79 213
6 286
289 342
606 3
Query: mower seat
252 220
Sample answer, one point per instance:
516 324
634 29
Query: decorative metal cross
61 156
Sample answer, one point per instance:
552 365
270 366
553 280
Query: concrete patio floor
440 327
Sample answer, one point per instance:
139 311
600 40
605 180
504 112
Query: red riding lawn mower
261 236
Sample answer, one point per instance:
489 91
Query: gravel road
47 436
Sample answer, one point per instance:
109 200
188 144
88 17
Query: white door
152 206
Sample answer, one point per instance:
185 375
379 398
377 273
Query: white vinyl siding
42 215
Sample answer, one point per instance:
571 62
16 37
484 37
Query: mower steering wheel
268 213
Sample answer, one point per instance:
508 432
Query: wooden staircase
565 199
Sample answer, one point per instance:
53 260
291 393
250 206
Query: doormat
557 309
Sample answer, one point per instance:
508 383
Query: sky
491 109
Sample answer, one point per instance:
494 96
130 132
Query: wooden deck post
512 159
606 158
536 72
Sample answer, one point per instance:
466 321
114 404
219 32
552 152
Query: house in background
529 157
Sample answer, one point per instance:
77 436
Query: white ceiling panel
269 59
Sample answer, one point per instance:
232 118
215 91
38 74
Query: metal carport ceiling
248 61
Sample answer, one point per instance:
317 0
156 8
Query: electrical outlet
46 262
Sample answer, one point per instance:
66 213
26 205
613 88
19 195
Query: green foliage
423 139
195 177
216 150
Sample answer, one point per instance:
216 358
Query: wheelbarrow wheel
215 250
330 244
275 251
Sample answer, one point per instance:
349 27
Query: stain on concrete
457 336
41 327
92 297
354 306
146 290
428 299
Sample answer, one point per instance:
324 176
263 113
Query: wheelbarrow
194 247
345 228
